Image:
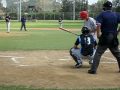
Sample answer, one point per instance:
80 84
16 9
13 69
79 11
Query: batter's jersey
91 25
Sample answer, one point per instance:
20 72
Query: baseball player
108 23
89 22
23 23
87 43
7 19
60 22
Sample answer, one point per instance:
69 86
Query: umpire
108 23
23 23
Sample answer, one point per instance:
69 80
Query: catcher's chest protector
87 44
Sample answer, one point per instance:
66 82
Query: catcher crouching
87 48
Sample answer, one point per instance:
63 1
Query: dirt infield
55 69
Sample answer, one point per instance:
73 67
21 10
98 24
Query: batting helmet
107 4
84 14
85 30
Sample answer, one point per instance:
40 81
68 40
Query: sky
4 3
94 1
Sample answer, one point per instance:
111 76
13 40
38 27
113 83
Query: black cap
108 4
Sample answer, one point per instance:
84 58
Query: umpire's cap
85 30
84 14
107 4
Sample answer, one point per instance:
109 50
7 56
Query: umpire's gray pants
100 50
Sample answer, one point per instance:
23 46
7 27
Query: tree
116 5
66 6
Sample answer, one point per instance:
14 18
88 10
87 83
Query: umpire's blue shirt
109 21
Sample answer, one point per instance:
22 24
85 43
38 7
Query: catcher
87 49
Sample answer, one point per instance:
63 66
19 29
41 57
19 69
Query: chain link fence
49 15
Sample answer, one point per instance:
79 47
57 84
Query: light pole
20 10
74 10
18 3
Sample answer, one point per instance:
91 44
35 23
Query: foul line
13 58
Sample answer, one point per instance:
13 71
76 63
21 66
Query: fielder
7 19
87 43
60 22
23 23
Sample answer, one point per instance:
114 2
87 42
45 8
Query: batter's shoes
91 72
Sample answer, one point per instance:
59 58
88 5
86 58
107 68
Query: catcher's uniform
87 43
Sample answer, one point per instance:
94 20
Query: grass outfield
45 24
37 39
30 88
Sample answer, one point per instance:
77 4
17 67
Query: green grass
37 40
44 24
30 88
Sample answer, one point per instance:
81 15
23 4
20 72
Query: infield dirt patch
55 69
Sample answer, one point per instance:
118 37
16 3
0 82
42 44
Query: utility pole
20 10
18 3
74 10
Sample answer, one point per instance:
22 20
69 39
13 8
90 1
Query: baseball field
38 59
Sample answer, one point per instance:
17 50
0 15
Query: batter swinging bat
68 31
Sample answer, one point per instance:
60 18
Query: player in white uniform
60 22
7 19
90 23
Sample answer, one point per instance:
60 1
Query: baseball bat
68 31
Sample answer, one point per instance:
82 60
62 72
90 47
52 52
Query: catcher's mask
85 30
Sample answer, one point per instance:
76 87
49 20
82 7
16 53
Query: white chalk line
108 62
13 58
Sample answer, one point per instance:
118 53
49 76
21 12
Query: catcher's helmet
107 4
84 14
85 30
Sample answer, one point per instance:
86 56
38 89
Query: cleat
91 72
78 65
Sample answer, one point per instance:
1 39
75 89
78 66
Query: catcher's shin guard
75 53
